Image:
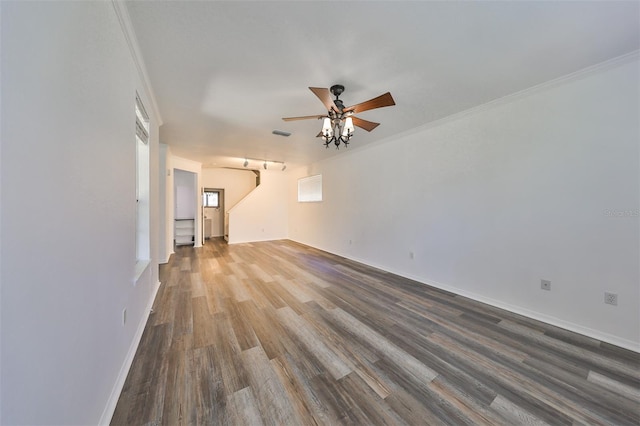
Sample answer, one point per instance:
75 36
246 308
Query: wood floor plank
280 333
299 292
207 388
446 366
320 316
178 400
473 410
271 342
242 329
434 409
615 386
203 327
368 403
242 409
237 287
314 343
197 286
227 356
531 387
307 406
183 310
515 414
385 348
271 396
143 394
268 294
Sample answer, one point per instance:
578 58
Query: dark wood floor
278 333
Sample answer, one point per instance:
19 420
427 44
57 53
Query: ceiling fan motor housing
337 89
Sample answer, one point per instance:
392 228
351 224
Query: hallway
281 333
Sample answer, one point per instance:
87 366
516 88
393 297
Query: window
211 199
310 189
142 183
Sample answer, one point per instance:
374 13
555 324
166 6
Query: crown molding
130 36
542 87
507 99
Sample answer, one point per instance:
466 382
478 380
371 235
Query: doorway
213 212
186 202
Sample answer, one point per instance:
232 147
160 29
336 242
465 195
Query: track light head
265 163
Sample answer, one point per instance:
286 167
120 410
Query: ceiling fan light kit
338 124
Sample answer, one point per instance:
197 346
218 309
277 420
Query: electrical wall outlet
545 285
611 299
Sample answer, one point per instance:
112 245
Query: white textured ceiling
225 73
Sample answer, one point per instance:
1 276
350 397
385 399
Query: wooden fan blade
379 102
325 97
364 124
306 117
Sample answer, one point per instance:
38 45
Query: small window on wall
211 199
310 189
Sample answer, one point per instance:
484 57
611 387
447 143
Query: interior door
213 212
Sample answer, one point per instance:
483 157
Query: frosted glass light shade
327 128
348 127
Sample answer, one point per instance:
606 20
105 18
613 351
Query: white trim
542 87
110 408
576 328
130 36
495 103
141 266
1 235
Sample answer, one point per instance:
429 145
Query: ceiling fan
339 120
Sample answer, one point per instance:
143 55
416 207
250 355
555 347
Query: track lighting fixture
265 163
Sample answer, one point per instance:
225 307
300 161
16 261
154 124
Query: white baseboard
577 328
110 408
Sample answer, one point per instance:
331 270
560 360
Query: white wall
68 257
492 201
262 214
236 183
185 194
